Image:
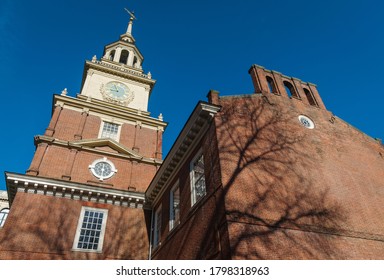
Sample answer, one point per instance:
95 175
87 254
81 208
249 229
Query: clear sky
189 47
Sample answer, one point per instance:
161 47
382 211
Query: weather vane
132 14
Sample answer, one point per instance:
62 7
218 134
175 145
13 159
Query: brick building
83 194
267 175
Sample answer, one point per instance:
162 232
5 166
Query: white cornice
108 109
189 137
118 70
69 190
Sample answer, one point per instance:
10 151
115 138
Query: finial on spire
132 14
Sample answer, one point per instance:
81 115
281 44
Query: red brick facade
277 189
47 230
284 179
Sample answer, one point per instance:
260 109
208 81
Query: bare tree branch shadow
274 209
34 235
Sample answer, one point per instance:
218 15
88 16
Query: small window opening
311 99
124 56
112 55
271 85
197 179
157 227
174 207
134 61
110 130
290 89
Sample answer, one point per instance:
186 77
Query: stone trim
90 144
119 70
69 190
108 109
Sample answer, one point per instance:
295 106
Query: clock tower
118 76
96 158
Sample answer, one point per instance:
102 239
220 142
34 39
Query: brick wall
62 163
298 193
47 230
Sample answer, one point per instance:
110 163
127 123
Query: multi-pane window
110 130
174 207
90 229
157 228
3 216
198 189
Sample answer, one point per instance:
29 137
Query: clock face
117 92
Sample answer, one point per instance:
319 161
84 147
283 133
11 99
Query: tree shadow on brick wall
274 208
34 235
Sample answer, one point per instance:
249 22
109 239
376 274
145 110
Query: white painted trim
157 235
172 222
69 190
192 176
79 227
101 178
111 121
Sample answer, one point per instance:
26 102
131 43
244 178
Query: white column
117 54
107 54
130 58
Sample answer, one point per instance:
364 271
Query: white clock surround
96 80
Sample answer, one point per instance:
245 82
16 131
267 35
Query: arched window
311 99
124 56
134 61
3 216
271 85
290 89
112 55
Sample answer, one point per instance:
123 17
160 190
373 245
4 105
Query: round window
102 169
306 122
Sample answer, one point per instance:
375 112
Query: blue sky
189 47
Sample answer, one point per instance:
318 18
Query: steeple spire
132 14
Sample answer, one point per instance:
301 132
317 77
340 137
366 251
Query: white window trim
4 215
102 233
309 123
119 125
172 222
157 235
101 178
192 178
